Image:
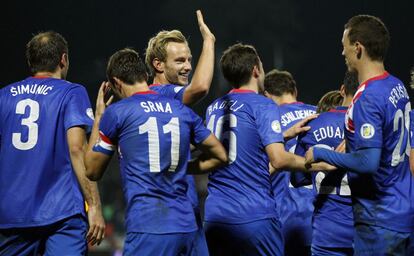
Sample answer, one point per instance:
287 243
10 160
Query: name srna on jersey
42 89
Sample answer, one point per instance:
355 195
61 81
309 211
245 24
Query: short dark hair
351 82
279 82
238 62
127 66
329 100
44 51
372 33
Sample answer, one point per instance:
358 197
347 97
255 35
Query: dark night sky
303 37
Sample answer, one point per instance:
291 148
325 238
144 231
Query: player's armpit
213 156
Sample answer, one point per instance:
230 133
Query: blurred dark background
303 37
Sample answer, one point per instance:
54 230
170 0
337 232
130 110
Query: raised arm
203 74
96 161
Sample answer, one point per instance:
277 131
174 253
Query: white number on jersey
226 135
404 120
151 127
344 189
29 122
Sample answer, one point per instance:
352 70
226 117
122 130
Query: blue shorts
262 237
331 251
160 244
65 237
374 240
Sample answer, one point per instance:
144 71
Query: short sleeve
108 133
199 132
78 111
268 123
171 91
368 121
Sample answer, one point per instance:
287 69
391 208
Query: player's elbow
92 170
278 163
76 151
92 173
223 160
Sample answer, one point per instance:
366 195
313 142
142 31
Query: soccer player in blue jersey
152 133
240 210
377 138
295 204
168 57
333 223
44 119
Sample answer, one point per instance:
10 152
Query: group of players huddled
285 178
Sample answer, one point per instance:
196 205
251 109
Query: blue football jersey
177 92
246 123
379 118
153 134
37 183
333 223
295 203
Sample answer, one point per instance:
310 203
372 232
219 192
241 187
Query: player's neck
249 87
129 90
160 79
285 99
369 70
347 101
57 75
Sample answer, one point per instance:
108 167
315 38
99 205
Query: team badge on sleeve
178 88
276 126
89 112
367 131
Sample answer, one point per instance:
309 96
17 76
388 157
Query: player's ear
158 65
358 48
342 91
256 71
64 60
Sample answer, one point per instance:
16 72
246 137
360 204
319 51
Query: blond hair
157 46
329 101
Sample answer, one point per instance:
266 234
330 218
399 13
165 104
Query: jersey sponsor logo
367 131
89 112
276 126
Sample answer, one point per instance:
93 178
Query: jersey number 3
29 122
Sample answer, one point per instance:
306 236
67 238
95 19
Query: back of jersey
37 183
245 123
333 218
379 118
288 197
153 133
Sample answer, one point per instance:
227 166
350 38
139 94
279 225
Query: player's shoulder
382 85
309 107
169 87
